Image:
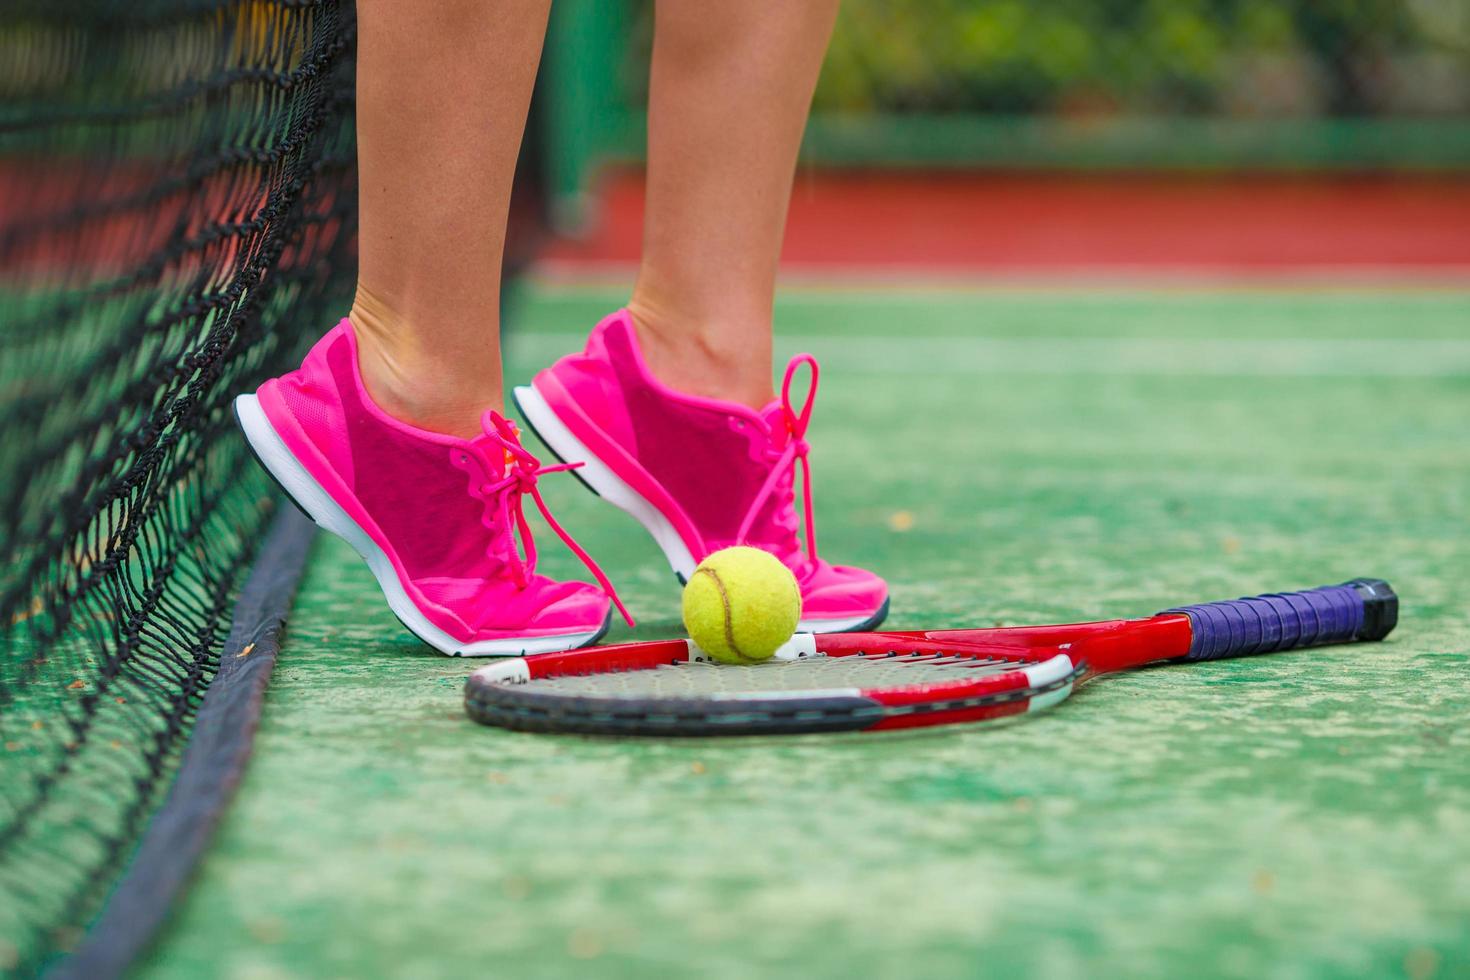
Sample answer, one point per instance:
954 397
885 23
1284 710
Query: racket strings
695 679
937 659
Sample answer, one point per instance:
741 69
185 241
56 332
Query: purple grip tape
1281 621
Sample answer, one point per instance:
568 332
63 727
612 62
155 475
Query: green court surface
1002 456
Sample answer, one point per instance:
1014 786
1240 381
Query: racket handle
1363 609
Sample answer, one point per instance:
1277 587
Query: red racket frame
1049 662
1090 648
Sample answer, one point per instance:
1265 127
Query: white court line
1259 357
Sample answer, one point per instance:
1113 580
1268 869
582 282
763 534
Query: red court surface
952 225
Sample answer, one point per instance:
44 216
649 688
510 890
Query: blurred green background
1239 58
1339 84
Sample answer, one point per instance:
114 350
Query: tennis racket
880 681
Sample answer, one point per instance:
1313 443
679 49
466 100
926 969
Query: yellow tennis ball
741 604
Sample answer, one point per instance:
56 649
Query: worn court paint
1306 815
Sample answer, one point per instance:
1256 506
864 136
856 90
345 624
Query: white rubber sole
329 515
610 487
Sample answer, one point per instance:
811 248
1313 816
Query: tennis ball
741 604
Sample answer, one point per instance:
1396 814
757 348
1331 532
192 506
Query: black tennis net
177 196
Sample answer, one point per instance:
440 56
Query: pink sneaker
697 473
435 517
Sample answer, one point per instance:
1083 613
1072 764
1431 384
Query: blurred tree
1228 57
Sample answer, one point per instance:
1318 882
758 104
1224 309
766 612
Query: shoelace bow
522 470
796 451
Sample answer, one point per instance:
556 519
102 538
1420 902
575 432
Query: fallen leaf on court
1421 963
268 930
584 944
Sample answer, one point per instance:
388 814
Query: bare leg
731 86
443 87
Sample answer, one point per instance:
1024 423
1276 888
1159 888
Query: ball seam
725 601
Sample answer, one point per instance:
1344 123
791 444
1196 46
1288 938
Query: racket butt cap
1380 607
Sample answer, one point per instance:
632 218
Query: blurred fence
1143 84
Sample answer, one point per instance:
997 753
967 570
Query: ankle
415 382
725 360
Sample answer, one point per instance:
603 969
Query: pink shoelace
796 451
522 470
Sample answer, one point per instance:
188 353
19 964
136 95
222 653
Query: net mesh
700 679
176 219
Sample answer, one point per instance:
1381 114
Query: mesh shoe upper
721 473
447 511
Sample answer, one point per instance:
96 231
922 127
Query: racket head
875 681
822 683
